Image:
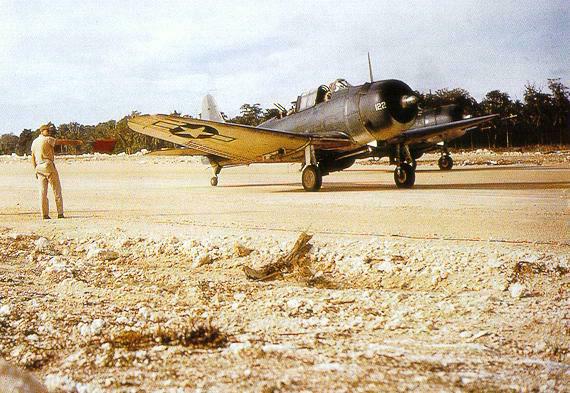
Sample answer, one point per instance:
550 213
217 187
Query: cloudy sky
92 61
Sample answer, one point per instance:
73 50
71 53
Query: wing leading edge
235 142
423 134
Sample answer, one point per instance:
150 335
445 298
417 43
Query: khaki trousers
47 173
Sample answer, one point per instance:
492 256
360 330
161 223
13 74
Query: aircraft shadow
20 214
53 217
259 185
495 168
140 213
347 187
466 169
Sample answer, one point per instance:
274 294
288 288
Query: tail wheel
311 178
404 176
445 163
214 181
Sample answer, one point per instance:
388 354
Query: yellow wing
234 142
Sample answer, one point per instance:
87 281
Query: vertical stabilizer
210 110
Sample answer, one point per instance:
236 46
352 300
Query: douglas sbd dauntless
327 130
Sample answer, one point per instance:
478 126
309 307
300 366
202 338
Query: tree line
541 118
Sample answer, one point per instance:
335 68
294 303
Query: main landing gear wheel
311 178
214 181
404 176
445 163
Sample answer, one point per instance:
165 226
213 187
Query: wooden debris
203 335
295 260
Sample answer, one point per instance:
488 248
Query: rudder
210 109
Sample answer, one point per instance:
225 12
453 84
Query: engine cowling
388 108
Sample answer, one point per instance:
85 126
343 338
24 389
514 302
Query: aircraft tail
210 109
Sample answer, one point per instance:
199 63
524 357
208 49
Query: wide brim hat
49 127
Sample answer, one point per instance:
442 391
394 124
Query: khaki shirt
42 150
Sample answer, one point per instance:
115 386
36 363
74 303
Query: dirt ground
459 284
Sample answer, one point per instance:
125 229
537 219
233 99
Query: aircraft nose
389 104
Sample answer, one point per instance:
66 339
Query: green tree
459 97
251 115
72 130
442 97
8 143
269 114
25 141
516 124
128 140
560 108
537 111
497 102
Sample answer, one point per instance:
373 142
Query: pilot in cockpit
338 84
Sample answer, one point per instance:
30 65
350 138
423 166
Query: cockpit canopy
312 98
321 94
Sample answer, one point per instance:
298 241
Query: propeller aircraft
327 130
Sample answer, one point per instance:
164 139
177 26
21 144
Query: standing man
42 160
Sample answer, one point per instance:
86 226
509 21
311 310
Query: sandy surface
460 284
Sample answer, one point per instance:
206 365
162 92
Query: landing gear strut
311 177
405 172
217 169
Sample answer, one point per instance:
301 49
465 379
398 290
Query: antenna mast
370 68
